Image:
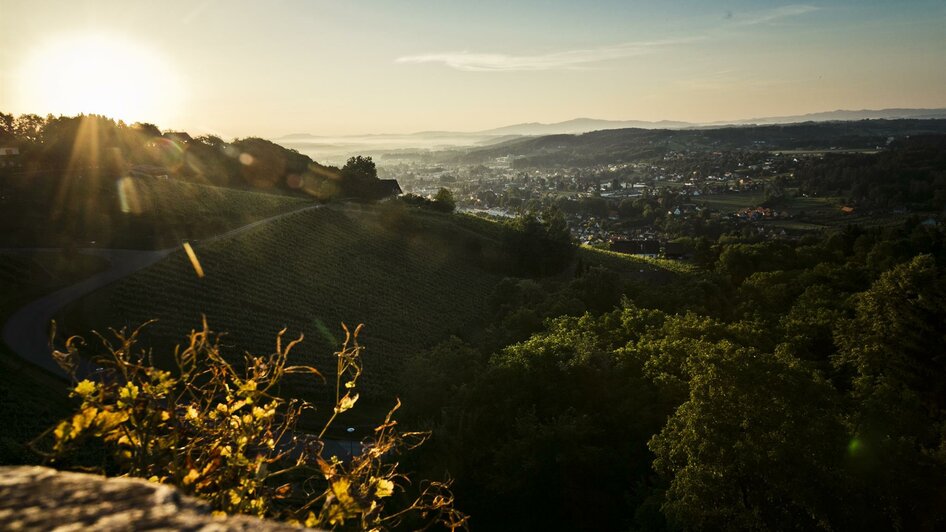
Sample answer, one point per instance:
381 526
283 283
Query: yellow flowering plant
221 433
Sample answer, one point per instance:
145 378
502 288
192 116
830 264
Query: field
636 267
310 271
731 201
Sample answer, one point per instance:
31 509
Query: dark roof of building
391 187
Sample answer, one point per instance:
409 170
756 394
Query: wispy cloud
568 59
769 15
577 59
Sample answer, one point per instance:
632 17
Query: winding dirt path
26 332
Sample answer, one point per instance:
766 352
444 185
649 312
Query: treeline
92 145
624 145
785 385
89 180
912 173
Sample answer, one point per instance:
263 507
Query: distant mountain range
581 125
584 125
336 149
844 115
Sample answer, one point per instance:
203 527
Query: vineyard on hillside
136 213
309 272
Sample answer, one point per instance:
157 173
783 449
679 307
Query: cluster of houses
587 230
755 214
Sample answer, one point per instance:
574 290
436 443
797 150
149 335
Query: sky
279 67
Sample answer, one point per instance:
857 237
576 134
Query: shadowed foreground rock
40 498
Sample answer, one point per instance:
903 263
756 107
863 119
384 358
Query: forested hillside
792 385
623 145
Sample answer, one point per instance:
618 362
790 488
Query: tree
6 125
893 349
30 127
537 245
360 168
444 200
359 179
146 129
754 446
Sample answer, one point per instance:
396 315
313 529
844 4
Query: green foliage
910 173
769 398
557 423
220 433
897 335
358 180
360 168
444 200
538 245
751 448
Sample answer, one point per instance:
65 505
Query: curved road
26 331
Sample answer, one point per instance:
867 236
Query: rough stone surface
40 498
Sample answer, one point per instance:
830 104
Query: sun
99 74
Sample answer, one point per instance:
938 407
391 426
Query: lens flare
128 198
193 258
855 446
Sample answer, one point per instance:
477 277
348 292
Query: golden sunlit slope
412 277
136 213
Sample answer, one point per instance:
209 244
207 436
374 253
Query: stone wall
40 498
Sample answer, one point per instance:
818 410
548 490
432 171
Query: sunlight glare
98 74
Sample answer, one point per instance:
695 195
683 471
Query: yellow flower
85 388
383 487
62 430
191 477
346 403
191 413
84 419
127 394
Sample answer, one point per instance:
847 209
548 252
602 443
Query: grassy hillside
32 400
383 266
134 213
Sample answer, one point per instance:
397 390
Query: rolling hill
309 272
131 213
383 265
622 145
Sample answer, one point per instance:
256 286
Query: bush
221 433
